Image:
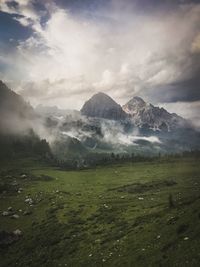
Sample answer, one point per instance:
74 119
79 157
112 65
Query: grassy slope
105 217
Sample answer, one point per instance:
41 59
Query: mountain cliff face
146 115
15 112
103 106
17 122
10 102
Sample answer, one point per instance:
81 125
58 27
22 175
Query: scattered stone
10 208
186 238
105 206
19 190
90 255
27 212
5 213
140 198
23 175
15 216
14 184
29 201
17 232
158 236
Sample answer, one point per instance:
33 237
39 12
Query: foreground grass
109 216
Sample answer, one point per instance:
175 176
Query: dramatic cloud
117 49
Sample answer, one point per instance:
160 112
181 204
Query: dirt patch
138 188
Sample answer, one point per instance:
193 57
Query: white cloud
24 8
71 57
188 110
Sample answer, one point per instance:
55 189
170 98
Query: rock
17 232
20 190
29 201
14 184
27 212
5 213
23 175
15 216
10 208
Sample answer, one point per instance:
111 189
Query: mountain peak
103 106
137 99
153 117
104 98
133 105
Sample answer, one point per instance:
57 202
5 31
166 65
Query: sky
60 52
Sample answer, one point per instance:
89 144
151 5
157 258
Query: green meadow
134 214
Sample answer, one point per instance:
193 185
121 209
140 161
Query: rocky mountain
15 112
101 105
146 115
17 125
10 102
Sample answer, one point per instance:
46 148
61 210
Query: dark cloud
183 91
141 47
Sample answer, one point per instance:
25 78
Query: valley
99 133
130 214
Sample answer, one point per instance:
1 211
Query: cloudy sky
61 52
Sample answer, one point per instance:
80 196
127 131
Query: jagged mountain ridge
105 126
140 113
146 115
